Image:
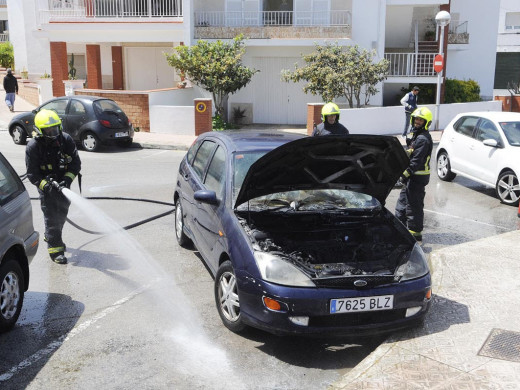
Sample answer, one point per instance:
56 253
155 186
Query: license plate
122 134
350 305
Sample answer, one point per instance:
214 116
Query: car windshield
312 200
106 106
512 132
241 163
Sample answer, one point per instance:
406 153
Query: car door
76 116
207 222
60 107
460 143
483 159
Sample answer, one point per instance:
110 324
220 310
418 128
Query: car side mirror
491 142
206 196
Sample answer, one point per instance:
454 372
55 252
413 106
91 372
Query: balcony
110 11
4 37
410 64
458 32
273 24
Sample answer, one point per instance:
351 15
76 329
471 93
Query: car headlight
274 269
415 267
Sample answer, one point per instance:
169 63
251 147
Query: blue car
296 235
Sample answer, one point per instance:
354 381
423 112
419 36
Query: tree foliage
332 71
216 67
6 55
455 91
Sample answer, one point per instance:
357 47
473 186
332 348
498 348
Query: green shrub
6 55
461 91
220 124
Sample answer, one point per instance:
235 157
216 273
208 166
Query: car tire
19 135
11 293
444 168
89 141
181 237
227 298
508 188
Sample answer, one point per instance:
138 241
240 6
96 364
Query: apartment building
120 44
508 45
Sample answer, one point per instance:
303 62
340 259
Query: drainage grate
502 344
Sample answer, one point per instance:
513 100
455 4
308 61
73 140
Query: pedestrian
52 162
409 101
410 204
11 89
330 122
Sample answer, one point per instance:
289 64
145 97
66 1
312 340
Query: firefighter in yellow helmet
52 162
410 204
330 122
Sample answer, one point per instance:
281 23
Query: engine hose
128 227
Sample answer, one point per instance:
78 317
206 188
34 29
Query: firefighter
330 122
52 162
410 205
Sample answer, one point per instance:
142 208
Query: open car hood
370 164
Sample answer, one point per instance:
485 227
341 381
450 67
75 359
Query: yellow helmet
330 109
47 124
423 113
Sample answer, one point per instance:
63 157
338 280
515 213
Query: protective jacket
420 152
58 159
325 128
10 83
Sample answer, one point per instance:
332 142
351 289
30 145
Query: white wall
398 26
475 60
390 120
179 120
508 40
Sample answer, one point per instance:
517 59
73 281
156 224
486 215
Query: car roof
251 140
499 116
82 97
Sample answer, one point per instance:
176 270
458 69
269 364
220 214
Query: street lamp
442 19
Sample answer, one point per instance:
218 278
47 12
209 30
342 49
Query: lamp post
442 19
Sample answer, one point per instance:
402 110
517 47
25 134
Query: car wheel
227 298
508 188
182 238
90 141
11 293
19 135
443 167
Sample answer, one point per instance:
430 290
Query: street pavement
471 336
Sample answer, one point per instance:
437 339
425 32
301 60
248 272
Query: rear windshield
512 132
106 105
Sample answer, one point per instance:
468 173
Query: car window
106 105
58 106
201 158
512 132
215 177
10 185
76 108
192 150
466 125
487 130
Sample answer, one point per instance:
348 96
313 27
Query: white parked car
484 147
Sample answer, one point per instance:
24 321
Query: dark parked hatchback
90 121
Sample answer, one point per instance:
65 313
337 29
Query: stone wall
28 91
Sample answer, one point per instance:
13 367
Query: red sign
438 63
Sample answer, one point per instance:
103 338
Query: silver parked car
18 244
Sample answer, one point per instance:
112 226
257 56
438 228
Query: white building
508 45
119 44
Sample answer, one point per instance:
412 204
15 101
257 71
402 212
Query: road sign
438 63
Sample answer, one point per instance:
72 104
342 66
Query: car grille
351 319
372 281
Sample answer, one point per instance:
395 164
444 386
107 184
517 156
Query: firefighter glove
66 182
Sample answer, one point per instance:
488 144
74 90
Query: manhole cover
502 344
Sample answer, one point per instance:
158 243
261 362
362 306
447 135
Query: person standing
409 101
11 89
52 162
330 122
410 204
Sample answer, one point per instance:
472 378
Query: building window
513 21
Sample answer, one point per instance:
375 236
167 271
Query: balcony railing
4 37
411 64
458 32
272 18
66 10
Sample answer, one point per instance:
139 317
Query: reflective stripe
49 167
56 249
42 167
71 175
426 171
414 233
406 173
42 184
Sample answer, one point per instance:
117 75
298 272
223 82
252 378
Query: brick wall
313 116
59 67
508 100
203 119
94 67
134 104
28 91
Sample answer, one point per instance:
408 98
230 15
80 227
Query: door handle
185 176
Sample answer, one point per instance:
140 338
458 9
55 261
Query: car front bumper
314 304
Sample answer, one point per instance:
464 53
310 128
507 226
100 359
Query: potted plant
72 83
429 35
24 73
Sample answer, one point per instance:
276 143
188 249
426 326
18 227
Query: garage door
147 68
276 101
